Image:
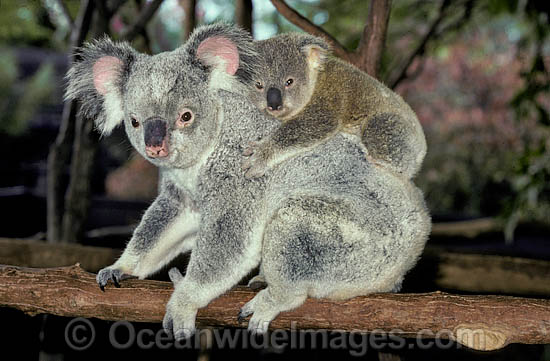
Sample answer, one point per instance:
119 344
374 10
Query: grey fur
325 223
328 96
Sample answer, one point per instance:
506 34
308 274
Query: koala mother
326 223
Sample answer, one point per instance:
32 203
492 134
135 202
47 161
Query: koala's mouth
277 112
157 150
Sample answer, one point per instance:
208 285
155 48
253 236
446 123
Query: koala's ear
226 51
96 81
316 50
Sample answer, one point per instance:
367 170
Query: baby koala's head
291 64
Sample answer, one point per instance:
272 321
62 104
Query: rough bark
60 152
479 322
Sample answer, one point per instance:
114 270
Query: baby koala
316 95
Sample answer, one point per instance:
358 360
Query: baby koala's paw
257 155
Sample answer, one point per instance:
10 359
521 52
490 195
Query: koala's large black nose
154 131
274 99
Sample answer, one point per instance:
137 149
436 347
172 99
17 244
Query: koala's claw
243 314
256 164
179 319
107 274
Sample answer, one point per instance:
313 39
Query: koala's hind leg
302 251
268 303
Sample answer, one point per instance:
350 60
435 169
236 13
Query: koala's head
168 102
287 80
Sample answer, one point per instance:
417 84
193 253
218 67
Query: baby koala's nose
274 99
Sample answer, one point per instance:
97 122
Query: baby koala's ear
316 50
96 80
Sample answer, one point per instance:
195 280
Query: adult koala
326 223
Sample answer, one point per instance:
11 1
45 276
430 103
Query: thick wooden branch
479 322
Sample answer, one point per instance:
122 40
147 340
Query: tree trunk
190 20
243 14
60 152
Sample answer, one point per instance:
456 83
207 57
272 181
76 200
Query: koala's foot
265 306
256 164
257 282
179 319
107 274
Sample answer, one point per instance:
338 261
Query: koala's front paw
179 319
256 164
107 274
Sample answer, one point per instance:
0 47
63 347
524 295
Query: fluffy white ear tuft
217 52
106 72
315 55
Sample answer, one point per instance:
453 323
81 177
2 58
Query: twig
66 14
421 47
145 15
295 18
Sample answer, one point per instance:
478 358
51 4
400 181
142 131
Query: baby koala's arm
291 138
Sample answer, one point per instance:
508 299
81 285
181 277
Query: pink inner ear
218 46
105 70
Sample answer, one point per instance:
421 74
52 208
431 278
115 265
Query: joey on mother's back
325 223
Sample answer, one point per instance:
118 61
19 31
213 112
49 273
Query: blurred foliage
19 100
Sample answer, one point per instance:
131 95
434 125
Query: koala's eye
289 82
259 85
135 122
185 119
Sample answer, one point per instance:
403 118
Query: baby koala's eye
289 82
135 122
259 85
186 118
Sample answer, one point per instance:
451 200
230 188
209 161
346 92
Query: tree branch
303 23
479 322
421 47
190 17
60 152
371 46
66 14
145 15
